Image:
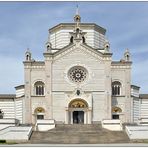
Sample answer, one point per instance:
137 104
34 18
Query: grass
7 142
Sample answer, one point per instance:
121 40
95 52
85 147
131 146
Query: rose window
77 74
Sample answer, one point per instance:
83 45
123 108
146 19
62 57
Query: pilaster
108 99
48 81
128 99
27 112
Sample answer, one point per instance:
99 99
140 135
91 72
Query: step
74 134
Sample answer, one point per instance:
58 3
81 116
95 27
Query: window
83 39
77 74
40 116
115 116
71 39
1 114
116 88
116 112
39 112
39 88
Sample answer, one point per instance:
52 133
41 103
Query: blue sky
26 24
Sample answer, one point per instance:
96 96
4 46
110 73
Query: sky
25 25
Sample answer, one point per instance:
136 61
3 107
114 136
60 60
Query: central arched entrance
78 112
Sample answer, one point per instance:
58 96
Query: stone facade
78 82
69 46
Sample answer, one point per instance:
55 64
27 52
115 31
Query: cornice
82 26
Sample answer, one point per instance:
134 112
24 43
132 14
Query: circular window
77 74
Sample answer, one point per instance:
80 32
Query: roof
82 25
71 45
121 62
7 96
135 86
143 96
19 86
34 63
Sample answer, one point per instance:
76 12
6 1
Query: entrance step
79 134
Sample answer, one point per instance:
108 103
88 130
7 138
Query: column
48 83
89 116
71 117
85 117
66 116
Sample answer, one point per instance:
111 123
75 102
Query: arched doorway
116 111
78 112
39 113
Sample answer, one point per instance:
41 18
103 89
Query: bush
2 141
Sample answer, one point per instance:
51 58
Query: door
78 117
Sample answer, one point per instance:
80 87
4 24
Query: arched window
71 39
83 39
1 114
116 88
127 57
39 88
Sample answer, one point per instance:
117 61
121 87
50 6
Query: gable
80 51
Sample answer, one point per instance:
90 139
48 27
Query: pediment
79 48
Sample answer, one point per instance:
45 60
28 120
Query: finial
106 46
77 10
127 55
77 17
28 55
28 50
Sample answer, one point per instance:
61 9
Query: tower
127 55
28 55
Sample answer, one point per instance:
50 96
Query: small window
127 57
115 116
1 114
39 88
71 39
83 39
27 57
40 116
116 88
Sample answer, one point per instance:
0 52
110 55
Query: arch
39 87
39 113
116 109
39 110
78 103
27 57
116 88
127 57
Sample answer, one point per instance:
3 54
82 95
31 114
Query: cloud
26 24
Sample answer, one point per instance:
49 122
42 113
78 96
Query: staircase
79 134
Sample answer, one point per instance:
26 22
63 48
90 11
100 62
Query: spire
28 55
106 46
77 10
127 55
77 18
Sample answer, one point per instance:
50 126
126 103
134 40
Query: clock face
77 74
